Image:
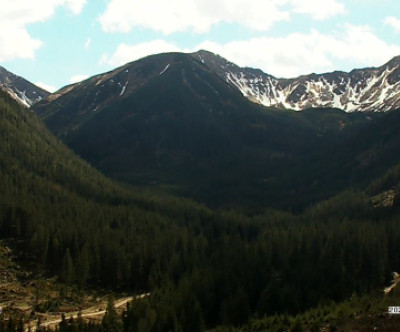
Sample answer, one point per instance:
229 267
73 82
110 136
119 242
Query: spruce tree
67 270
110 321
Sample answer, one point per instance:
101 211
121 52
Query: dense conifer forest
204 268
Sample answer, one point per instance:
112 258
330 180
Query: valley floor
95 313
44 300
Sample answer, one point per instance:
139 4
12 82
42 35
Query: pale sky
53 43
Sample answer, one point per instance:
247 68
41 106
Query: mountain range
200 126
368 89
177 122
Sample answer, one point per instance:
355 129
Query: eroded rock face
384 199
369 89
20 89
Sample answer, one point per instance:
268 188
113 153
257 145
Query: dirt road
87 313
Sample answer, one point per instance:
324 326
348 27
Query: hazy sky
55 42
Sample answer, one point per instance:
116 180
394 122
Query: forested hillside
203 268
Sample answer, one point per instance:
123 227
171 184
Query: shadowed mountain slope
170 121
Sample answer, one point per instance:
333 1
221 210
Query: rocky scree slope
368 89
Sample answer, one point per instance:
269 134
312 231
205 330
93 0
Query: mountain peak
204 52
393 62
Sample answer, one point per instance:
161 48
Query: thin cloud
317 9
87 43
200 15
78 78
46 87
76 6
15 16
127 53
393 22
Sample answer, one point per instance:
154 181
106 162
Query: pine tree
82 270
67 269
63 326
110 321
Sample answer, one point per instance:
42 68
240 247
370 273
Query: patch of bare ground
24 295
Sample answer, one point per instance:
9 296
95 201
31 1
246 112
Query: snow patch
165 69
370 91
123 89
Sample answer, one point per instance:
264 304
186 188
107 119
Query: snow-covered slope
369 89
20 89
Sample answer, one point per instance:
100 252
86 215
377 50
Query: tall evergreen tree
67 269
110 320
